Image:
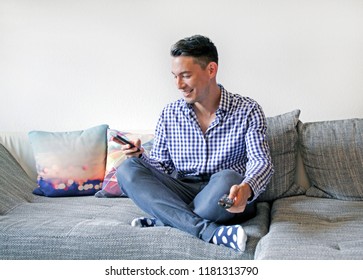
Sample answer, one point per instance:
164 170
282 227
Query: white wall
71 64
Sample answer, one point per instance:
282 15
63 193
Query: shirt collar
223 108
224 103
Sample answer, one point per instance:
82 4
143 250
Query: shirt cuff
254 189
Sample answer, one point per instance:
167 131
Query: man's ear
212 69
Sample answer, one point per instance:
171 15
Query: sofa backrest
289 178
18 144
320 159
332 153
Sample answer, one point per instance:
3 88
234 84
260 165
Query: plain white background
72 64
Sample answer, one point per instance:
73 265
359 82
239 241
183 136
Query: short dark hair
199 47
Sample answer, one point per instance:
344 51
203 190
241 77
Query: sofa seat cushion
313 228
91 228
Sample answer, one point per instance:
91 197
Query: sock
143 222
230 236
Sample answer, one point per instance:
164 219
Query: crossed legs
189 205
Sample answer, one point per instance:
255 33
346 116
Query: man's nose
179 83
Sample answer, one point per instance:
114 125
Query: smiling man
207 144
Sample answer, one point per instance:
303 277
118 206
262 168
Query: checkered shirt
235 140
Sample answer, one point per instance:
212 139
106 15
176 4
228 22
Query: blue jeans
190 204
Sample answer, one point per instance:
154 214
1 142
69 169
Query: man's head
200 48
195 66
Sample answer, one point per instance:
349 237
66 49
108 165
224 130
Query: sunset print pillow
70 163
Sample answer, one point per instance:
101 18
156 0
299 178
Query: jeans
189 204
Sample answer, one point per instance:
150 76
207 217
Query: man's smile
187 92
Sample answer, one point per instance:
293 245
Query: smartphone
124 141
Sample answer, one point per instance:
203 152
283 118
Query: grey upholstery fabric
282 138
302 227
15 185
18 145
332 153
37 227
313 228
92 228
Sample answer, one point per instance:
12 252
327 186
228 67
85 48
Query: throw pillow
332 153
282 138
69 163
110 186
15 185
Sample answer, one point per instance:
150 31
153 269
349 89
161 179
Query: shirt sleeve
159 156
259 168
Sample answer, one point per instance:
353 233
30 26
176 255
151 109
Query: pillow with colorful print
69 163
110 186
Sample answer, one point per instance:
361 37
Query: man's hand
128 151
240 194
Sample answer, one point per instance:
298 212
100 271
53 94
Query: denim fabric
189 204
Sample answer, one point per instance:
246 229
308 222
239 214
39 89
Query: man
207 144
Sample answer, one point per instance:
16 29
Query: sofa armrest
17 143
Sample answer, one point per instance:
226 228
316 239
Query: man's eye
186 76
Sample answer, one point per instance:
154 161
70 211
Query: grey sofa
312 208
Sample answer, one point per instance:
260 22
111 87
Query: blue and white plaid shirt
235 140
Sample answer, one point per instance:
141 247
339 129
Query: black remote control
225 202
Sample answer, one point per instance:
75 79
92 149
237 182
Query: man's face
191 79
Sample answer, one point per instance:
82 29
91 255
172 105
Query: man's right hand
128 151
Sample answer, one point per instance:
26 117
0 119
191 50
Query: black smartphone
124 141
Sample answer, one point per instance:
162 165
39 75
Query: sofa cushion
87 227
110 186
17 143
313 228
282 138
15 184
69 163
332 153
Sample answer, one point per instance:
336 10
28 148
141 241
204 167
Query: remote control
225 202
